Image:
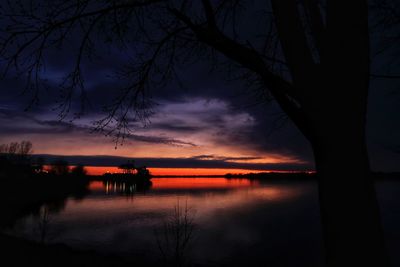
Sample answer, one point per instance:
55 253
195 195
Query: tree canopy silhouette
17 152
312 57
60 168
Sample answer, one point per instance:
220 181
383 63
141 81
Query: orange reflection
198 183
186 183
207 206
96 186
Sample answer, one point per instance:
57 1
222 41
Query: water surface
237 222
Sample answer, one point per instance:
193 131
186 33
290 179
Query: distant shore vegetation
18 162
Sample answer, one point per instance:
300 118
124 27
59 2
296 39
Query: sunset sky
209 122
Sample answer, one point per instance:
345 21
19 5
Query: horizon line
174 163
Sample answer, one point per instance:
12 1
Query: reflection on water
200 183
119 188
239 221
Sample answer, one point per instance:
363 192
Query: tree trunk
350 215
349 210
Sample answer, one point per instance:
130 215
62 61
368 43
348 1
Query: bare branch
208 10
283 91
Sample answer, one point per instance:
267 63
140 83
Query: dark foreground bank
16 252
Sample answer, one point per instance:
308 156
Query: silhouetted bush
175 237
59 168
79 171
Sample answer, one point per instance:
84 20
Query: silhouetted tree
17 150
311 56
59 168
15 158
128 168
143 172
79 171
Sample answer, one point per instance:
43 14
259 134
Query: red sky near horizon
98 170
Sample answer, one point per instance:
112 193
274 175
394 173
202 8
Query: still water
235 222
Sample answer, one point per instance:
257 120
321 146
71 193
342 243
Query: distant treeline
302 175
16 161
272 175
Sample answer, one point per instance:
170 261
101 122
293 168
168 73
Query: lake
221 222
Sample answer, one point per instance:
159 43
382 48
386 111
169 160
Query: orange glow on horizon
100 170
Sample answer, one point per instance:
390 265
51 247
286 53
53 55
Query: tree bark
349 210
337 111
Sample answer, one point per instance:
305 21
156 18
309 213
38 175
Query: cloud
175 126
159 140
214 157
20 123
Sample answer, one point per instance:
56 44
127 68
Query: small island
130 173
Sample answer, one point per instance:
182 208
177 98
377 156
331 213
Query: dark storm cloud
17 122
230 126
176 126
110 161
21 123
214 157
160 140
263 134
